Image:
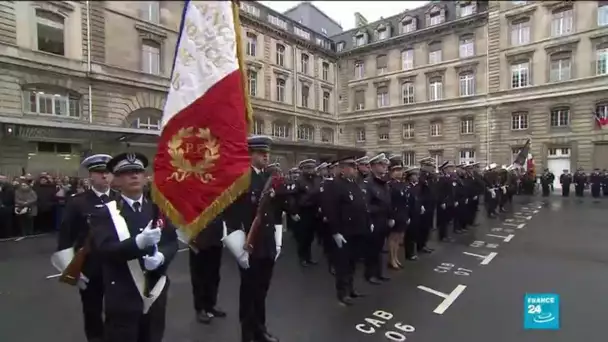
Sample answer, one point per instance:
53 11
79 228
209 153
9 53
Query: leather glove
243 260
391 223
339 239
295 217
153 262
278 253
148 237
83 282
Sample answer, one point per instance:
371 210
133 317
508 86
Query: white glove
466 201
295 217
148 237
339 239
493 193
153 262
243 260
442 205
474 198
422 210
456 203
408 221
83 282
278 253
320 210
371 227
391 223
324 219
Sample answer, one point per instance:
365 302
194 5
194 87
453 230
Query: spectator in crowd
7 205
63 188
45 190
25 207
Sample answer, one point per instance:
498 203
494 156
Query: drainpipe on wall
488 109
89 61
294 93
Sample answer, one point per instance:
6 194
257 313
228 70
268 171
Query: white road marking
535 211
520 226
52 276
509 237
435 292
441 308
19 238
525 217
489 258
505 238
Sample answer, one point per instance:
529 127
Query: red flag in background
202 163
601 119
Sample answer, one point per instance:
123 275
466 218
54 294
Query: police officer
400 211
306 210
416 210
445 200
137 247
73 233
492 185
605 182
595 178
580 181
545 183
205 264
427 196
257 266
461 200
380 211
565 180
325 235
345 207
363 169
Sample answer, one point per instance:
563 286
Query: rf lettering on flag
202 162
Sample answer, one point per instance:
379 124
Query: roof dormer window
382 32
466 8
360 38
435 16
408 24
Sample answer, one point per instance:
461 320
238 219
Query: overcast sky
344 12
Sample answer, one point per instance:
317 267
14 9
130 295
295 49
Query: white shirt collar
257 171
99 194
130 201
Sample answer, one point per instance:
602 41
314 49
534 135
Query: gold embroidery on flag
185 143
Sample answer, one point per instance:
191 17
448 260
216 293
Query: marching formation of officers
596 180
354 207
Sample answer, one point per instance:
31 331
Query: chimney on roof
360 20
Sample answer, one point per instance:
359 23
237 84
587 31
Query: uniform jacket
345 207
378 198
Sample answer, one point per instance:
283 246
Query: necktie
104 198
137 207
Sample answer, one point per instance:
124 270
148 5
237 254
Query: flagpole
241 59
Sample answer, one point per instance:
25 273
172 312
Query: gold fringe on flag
241 58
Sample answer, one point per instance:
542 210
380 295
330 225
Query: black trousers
255 282
565 190
304 234
546 189
92 308
425 226
444 217
460 215
410 239
472 209
595 190
44 221
373 256
345 262
579 190
329 246
205 277
6 222
135 326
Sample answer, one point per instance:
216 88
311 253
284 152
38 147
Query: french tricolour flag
202 163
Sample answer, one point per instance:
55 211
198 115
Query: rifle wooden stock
71 274
257 221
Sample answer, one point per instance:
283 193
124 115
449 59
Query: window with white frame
467 46
249 8
557 152
360 40
467 84
359 69
437 156
360 134
359 99
408 130
280 90
340 46
306 132
409 158
304 63
467 9
325 103
50 30
602 14
601 63
435 89
382 33
467 156
305 94
252 43
301 33
327 135
381 64
601 111
560 117
280 129
252 82
383 133
519 121
520 32
561 66
280 55
520 75
277 22
39 101
150 57
407 59
436 18
407 93
467 126
325 71
258 127
148 123
324 31
150 11
562 22
435 129
382 97
435 53
408 25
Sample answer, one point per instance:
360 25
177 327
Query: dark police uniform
545 183
595 178
427 195
73 233
348 220
580 181
255 280
415 209
305 211
565 180
135 293
445 200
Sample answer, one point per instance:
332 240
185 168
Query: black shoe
393 267
346 301
384 278
304 263
412 258
204 317
312 262
426 250
356 294
374 281
458 231
266 337
447 239
216 312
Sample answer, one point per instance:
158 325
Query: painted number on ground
394 332
446 268
478 244
503 230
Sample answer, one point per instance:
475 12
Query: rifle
72 272
269 187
